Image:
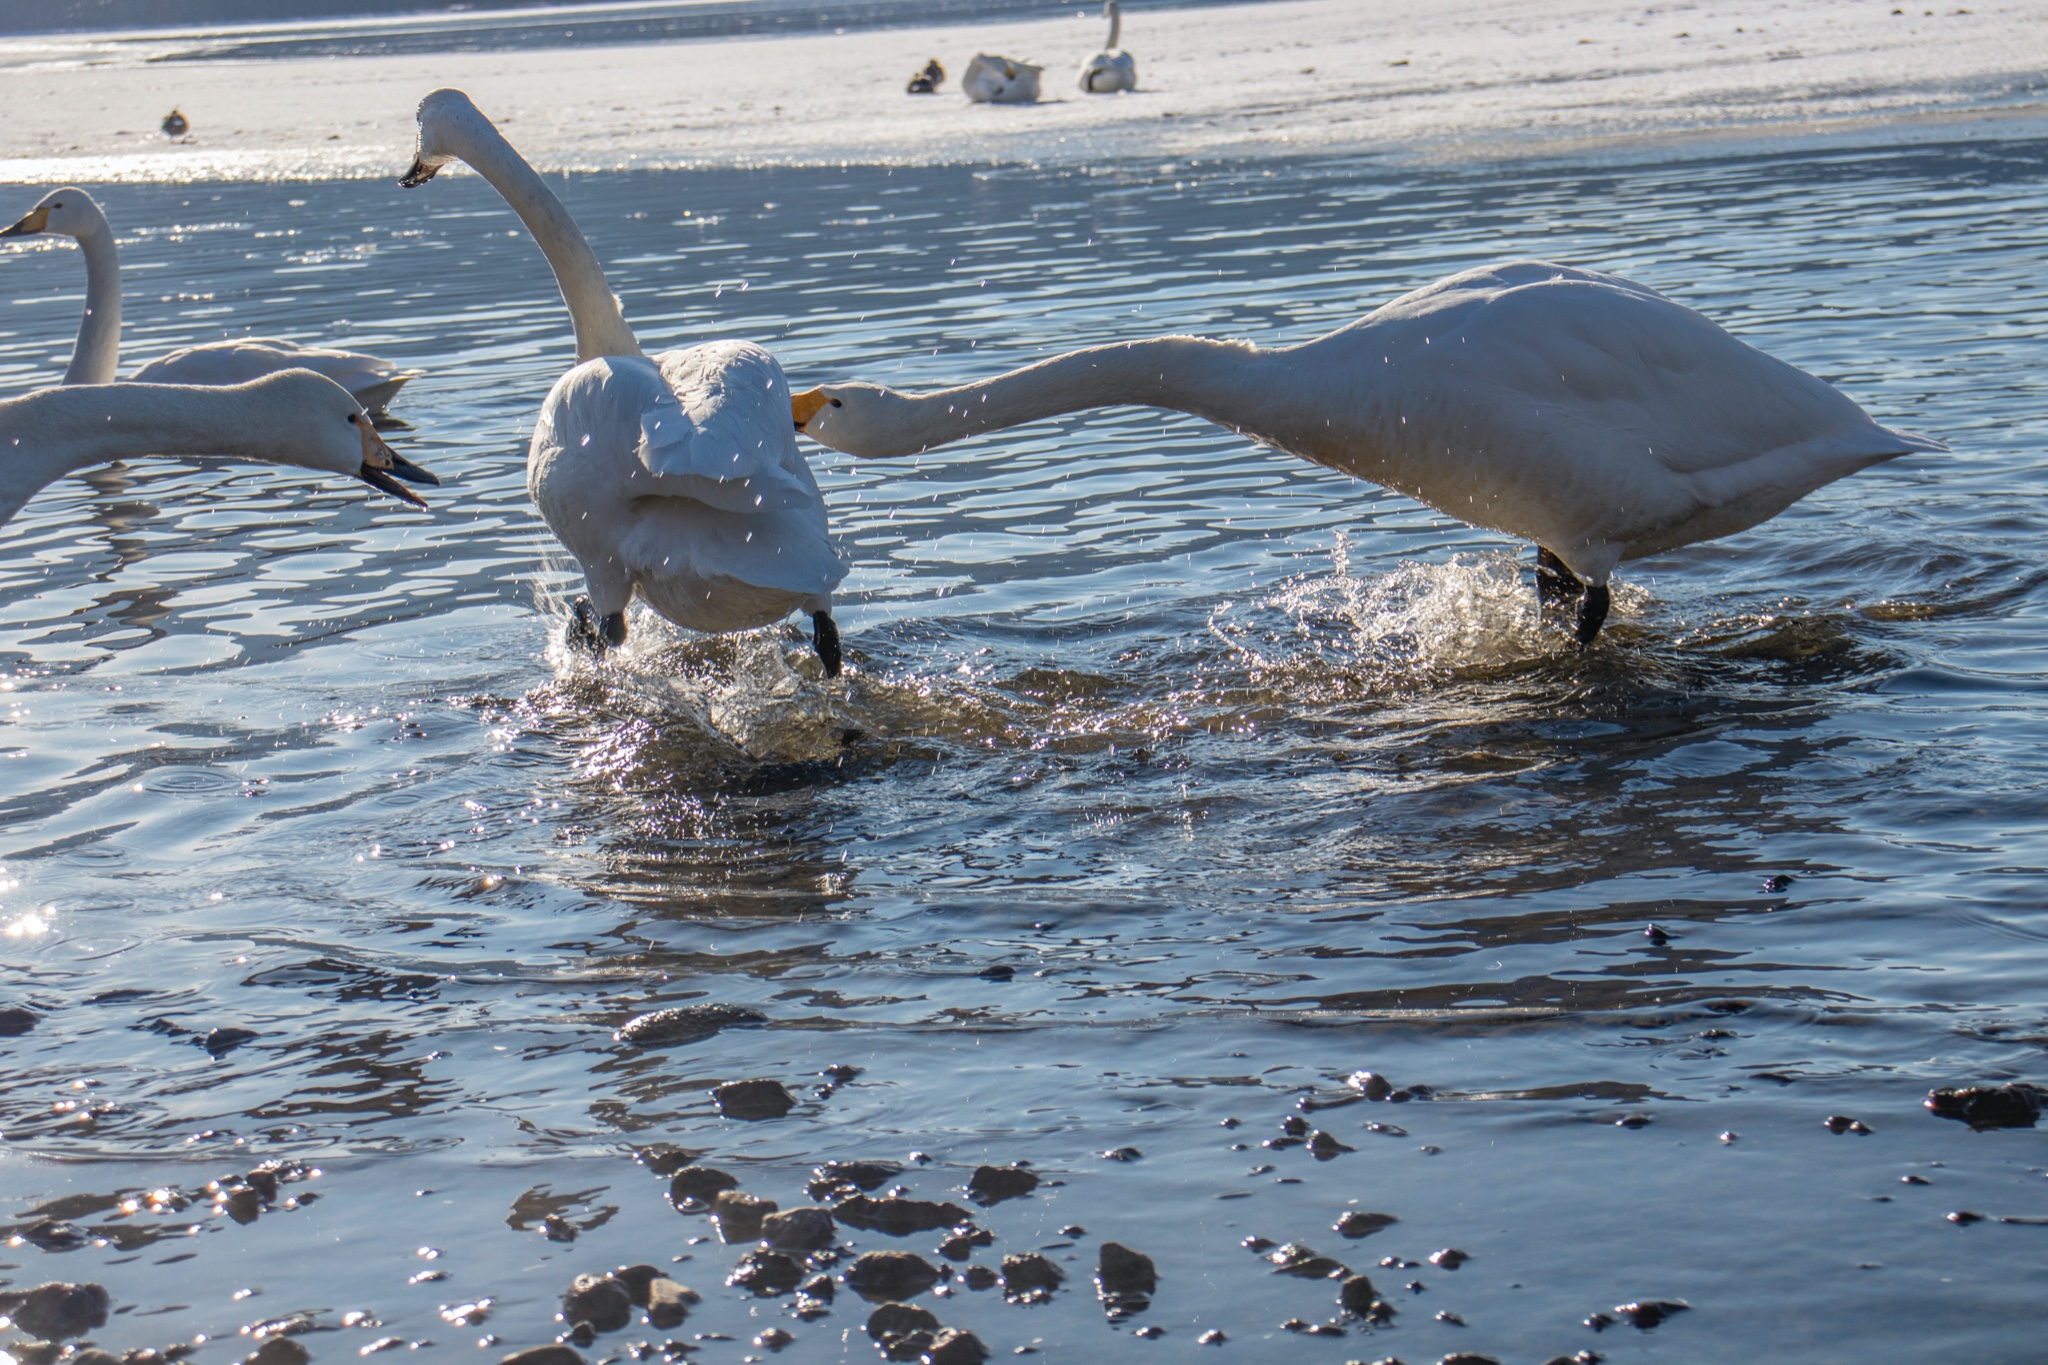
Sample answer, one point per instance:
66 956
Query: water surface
1174 780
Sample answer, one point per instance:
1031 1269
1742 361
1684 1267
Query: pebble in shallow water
1125 1280
2017 1105
753 1101
993 1184
57 1310
840 1179
543 1355
684 1024
897 1216
600 1301
694 1187
1030 1278
805 1229
739 1216
878 1275
1359 1223
766 1274
1643 1314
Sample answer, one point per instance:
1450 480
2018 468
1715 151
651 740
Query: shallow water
1188 780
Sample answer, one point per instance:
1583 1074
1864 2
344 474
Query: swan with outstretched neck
1592 416
71 212
295 418
675 476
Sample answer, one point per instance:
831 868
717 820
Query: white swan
1590 415
998 80
675 475
1111 69
71 212
292 418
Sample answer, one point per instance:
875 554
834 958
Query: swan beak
804 406
35 222
381 463
419 175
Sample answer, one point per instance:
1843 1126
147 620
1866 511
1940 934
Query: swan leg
589 631
1554 582
825 638
1592 613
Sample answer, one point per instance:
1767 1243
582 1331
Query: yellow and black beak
804 406
419 175
383 467
36 220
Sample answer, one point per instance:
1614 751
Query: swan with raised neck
295 418
674 477
1590 415
71 212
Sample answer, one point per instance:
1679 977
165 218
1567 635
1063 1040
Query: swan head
319 425
69 212
445 118
858 419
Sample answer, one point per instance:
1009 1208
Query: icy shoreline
1468 79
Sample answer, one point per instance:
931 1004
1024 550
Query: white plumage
1590 415
676 476
999 80
71 212
1111 69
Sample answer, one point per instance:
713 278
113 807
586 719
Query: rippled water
1187 780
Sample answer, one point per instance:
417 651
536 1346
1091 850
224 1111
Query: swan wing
719 419
372 379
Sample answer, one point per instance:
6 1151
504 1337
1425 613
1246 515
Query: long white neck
1116 23
98 351
53 432
601 328
1241 387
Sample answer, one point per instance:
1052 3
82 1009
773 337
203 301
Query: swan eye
837 404
351 419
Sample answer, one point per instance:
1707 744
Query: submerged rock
897 1216
603 1302
952 1346
1357 1294
1030 1278
766 1274
1358 1223
840 1179
1644 1314
699 1185
2017 1105
993 1184
805 1229
543 1355
892 1275
1125 1280
739 1216
901 1331
274 1351
684 1024
57 1310
754 1100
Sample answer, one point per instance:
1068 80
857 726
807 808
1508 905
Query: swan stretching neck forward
1590 415
71 212
1111 69
294 417
675 475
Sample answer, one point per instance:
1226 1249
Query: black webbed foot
825 638
1592 614
593 633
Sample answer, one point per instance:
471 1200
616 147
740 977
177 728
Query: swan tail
1912 441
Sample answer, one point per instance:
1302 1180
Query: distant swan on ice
71 212
1111 69
1592 416
676 476
998 80
292 418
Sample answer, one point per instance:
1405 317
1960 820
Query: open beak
419 175
804 406
383 467
35 222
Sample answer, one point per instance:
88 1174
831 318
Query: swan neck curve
1116 23
98 352
54 432
1228 383
594 311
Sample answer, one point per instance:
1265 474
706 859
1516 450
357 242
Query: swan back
373 380
999 80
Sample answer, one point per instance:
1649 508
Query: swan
1111 69
1590 415
676 475
71 212
294 417
998 80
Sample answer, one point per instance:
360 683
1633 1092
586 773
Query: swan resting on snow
676 476
1592 416
294 417
71 212
998 80
1111 69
